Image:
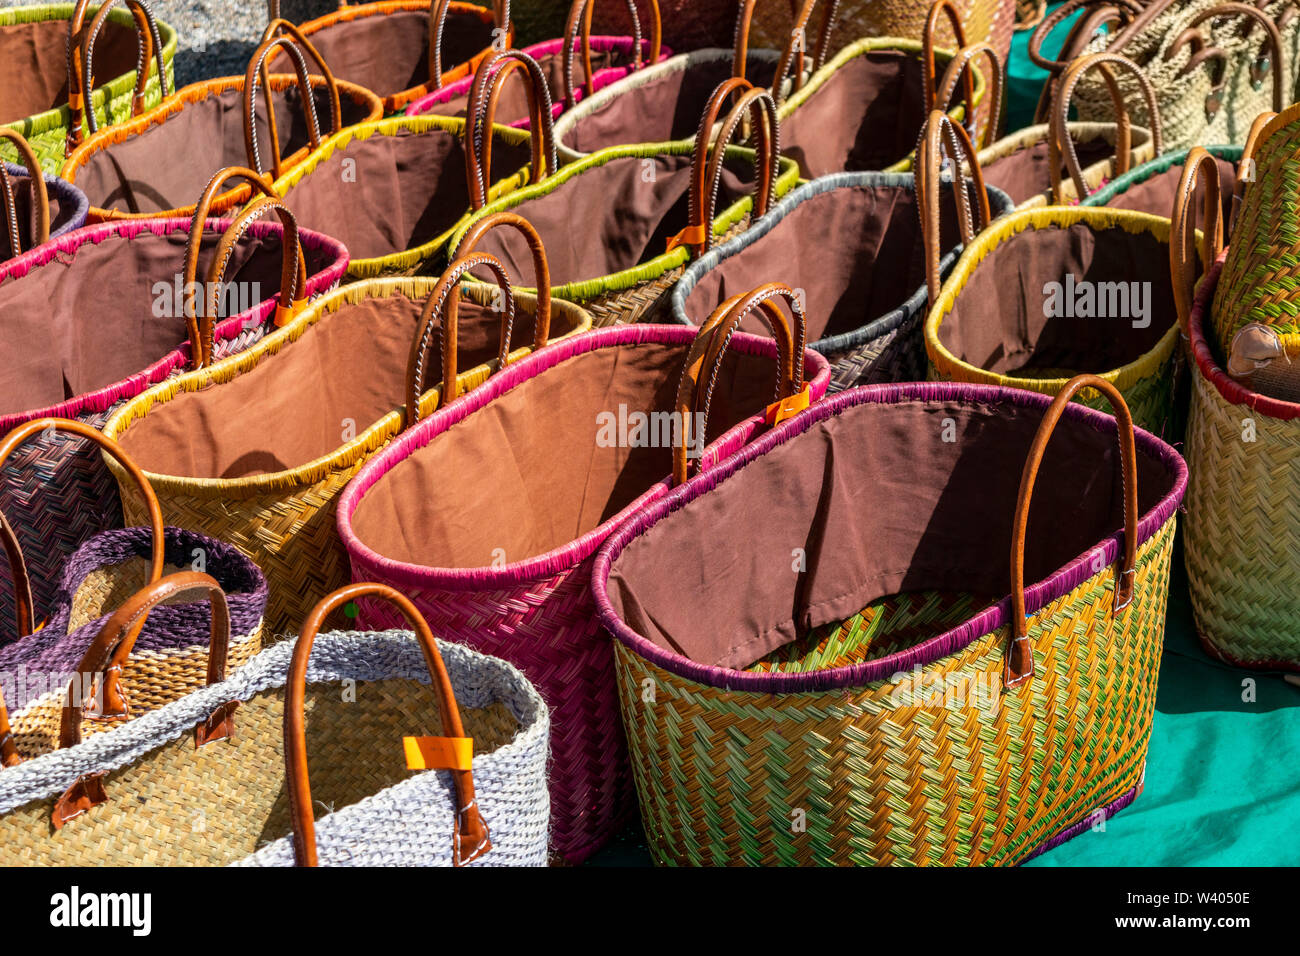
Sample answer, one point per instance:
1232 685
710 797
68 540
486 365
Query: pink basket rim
817 373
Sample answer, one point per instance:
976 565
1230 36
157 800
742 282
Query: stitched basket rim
1152 168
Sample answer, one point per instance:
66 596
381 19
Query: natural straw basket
235 756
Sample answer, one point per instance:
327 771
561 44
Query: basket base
1074 829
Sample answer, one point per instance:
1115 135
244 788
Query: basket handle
704 361
1246 166
740 44
706 170
40 194
438 11
108 654
929 168
200 333
80 54
1019 664
1203 52
293 271
453 751
960 66
17 565
541 268
797 47
929 70
281 34
580 19
1058 138
1103 11
480 120
1182 237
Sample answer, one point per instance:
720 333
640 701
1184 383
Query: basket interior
61 215
388 193
1025 173
1024 309
1155 194
129 177
872 531
551 462
387 53
109 309
345 373
34 66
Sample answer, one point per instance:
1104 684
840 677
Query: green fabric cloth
1024 80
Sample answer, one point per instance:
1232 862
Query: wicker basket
33 216
52 126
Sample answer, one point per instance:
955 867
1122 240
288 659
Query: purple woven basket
68 205
56 489
537 612
837 690
451 99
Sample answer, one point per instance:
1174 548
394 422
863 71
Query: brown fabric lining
666 109
405 190
87 319
34 66
59 216
388 54
998 322
866 116
513 105
880 504
346 372
1026 173
855 252
200 139
1155 195
610 218
534 476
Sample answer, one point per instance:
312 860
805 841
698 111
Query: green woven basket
48 131
1119 191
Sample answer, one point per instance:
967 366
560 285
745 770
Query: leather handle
108 654
200 333
40 194
1019 664
470 838
579 19
281 34
704 361
13 551
438 10
1059 140
1102 11
1245 170
929 169
444 301
796 47
1077 40
942 9
541 268
480 121
1191 34
960 66
1182 236
293 269
80 54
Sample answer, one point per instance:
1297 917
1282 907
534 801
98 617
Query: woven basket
31 216
614 209
170 653
272 491
1150 187
859 685
119 166
991 324
51 126
385 46
57 487
151 794
507 569
852 242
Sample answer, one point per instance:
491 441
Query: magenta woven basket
451 100
58 491
536 612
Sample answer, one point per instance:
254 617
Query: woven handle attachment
580 19
13 551
704 362
1198 166
281 34
1203 52
929 173
470 838
40 194
1059 140
960 66
81 52
1019 664
438 10
480 121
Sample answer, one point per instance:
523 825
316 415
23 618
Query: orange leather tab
778 412
438 753
220 725
690 236
85 793
285 313
76 101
